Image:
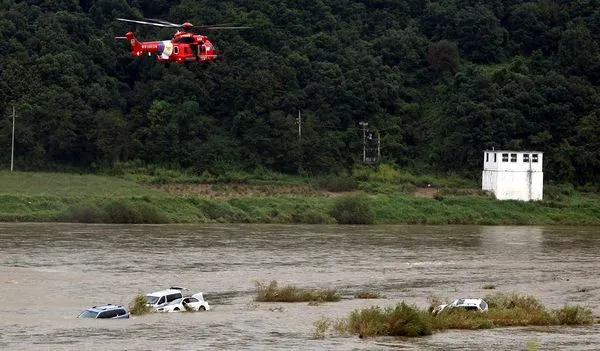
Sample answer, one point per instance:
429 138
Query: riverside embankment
52 197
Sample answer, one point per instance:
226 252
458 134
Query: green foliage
508 310
290 293
84 213
114 211
138 306
312 217
557 192
510 301
532 345
353 210
438 81
574 315
336 184
65 197
402 320
443 56
367 294
321 326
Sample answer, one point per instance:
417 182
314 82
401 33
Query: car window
172 297
121 312
175 302
161 301
483 305
151 299
192 299
88 314
108 314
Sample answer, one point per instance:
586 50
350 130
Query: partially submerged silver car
467 304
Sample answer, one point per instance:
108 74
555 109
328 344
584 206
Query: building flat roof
515 151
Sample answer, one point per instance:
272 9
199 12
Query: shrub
402 320
84 213
321 326
574 315
116 211
352 210
405 320
510 301
368 295
120 211
386 174
558 192
150 214
138 306
290 293
312 217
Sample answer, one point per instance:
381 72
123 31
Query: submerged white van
161 298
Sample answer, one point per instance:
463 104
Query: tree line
438 81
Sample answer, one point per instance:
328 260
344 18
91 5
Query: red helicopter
184 47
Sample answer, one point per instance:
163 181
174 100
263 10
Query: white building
513 175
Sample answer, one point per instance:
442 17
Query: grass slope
98 199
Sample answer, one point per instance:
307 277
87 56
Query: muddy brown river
51 272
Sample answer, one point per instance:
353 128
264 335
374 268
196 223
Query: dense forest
437 81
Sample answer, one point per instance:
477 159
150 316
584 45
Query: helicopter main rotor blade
144 22
217 27
165 22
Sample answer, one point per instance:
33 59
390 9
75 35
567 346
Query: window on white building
513 157
487 157
494 157
534 158
526 158
504 157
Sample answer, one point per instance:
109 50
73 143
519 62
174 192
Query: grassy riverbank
379 197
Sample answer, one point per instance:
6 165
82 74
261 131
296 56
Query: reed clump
321 327
402 320
574 315
368 294
273 293
138 306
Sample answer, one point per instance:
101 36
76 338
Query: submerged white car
190 303
161 298
467 304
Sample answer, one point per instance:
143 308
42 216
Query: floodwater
51 272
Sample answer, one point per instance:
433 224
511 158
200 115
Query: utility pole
299 121
364 130
12 149
378 147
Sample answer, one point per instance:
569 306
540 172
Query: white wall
512 175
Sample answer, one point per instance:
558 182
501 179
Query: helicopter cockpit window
176 49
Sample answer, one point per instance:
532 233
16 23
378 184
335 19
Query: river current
51 272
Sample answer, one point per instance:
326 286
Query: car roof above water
467 302
106 307
165 292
